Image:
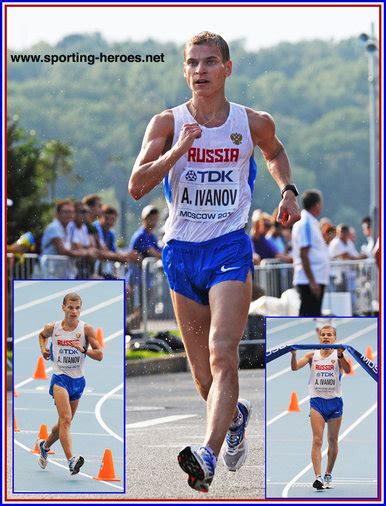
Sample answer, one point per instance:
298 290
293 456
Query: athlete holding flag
70 340
202 150
326 404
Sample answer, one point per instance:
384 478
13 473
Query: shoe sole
318 485
189 464
77 466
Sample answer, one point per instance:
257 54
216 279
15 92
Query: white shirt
325 376
66 359
306 233
209 189
337 247
79 235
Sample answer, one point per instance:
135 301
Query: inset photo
68 388
322 423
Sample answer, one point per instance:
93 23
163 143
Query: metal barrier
359 278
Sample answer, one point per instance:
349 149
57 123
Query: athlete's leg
317 426
229 304
333 427
54 434
194 322
66 410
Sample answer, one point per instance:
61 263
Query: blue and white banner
368 365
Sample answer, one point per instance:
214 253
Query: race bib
208 195
324 378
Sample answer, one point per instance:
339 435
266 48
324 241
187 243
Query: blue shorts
74 386
328 408
192 268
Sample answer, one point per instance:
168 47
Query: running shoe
318 483
328 481
43 454
75 464
235 450
199 465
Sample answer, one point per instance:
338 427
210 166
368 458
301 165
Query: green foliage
315 90
26 184
144 354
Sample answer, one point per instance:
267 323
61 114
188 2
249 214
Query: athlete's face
204 69
327 336
72 310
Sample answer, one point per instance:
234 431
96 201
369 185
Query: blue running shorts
328 408
74 386
192 268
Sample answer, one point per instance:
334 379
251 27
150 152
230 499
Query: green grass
143 354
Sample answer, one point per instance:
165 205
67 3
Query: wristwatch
84 350
291 187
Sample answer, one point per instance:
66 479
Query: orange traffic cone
40 371
294 403
99 335
369 353
43 434
15 394
15 427
352 370
106 471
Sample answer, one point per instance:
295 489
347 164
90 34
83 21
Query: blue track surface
288 443
99 421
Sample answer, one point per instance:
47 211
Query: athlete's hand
288 212
188 134
293 353
46 354
76 344
340 352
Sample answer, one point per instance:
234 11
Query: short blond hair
212 39
327 327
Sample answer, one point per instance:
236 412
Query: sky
259 26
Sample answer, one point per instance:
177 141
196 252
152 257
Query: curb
162 365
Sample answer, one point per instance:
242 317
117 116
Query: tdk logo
210 176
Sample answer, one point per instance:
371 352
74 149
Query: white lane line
22 284
343 341
76 288
302 401
156 421
98 415
65 467
35 333
324 452
28 380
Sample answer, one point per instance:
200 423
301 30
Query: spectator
342 247
328 232
368 247
145 243
82 239
310 253
275 236
262 247
56 241
94 204
108 243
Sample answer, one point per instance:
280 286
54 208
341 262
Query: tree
26 185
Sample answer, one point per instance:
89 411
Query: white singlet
66 359
209 189
325 376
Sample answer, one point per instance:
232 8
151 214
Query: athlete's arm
314 287
263 135
95 353
156 157
44 335
343 363
298 364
